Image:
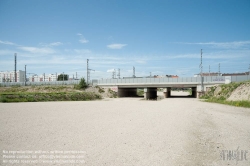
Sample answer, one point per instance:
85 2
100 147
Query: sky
161 37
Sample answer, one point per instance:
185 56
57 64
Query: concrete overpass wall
128 87
150 93
167 92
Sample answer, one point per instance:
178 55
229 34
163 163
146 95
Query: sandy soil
129 131
241 93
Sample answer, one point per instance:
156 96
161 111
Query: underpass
127 87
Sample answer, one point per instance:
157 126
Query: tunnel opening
152 93
177 92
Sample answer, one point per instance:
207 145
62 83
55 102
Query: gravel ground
128 131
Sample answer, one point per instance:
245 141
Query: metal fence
194 80
73 82
209 79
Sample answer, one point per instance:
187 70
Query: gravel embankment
129 131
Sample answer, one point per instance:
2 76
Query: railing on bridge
191 80
194 80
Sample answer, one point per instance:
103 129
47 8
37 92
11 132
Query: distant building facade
9 76
221 74
43 78
168 76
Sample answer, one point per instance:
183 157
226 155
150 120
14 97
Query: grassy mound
221 93
42 97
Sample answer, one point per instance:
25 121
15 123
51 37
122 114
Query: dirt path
129 131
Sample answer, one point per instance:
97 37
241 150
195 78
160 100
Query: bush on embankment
42 97
223 94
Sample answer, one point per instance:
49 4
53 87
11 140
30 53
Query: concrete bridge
128 87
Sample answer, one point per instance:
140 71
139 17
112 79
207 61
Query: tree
62 77
82 84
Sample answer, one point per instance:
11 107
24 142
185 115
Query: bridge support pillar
150 93
194 92
167 92
127 92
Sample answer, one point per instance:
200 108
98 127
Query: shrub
82 84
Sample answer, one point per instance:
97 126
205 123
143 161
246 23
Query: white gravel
129 131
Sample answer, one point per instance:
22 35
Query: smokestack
15 69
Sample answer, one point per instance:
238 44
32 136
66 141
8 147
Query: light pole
201 73
248 72
25 76
88 72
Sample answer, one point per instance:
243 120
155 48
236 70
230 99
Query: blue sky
161 37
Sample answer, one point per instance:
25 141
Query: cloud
141 61
82 51
7 43
116 46
83 40
51 44
7 52
36 50
56 44
223 45
110 70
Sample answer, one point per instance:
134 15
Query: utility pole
118 74
249 70
209 70
88 77
219 69
15 69
133 71
88 72
113 73
25 76
201 73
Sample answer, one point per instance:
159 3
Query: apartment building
9 76
43 78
